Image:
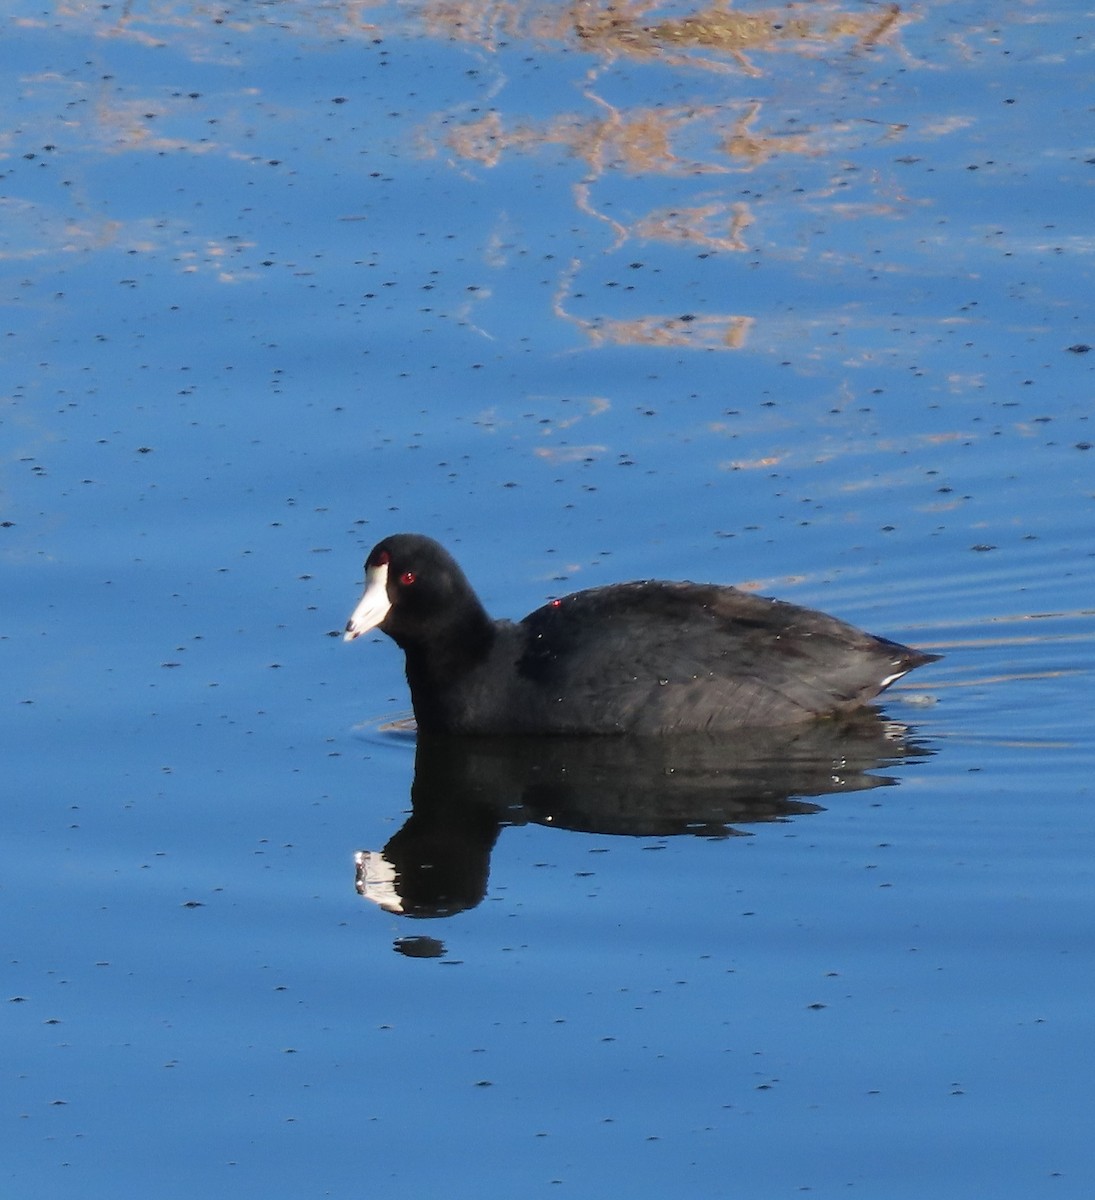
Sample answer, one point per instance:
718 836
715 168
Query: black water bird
629 658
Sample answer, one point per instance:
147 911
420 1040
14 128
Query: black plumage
640 658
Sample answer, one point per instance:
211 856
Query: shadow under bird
630 658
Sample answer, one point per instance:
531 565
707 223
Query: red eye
407 578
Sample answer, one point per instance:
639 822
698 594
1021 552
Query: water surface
796 298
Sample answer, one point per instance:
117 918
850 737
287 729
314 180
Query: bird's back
656 657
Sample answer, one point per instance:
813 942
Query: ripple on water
388 730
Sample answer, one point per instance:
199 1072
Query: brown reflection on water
715 132
688 331
717 37
709 332
716 135
707 37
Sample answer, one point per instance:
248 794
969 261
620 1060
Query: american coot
646 658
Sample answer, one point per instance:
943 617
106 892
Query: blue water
809 315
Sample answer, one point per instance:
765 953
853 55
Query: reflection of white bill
376 880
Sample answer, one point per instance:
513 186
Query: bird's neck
451 649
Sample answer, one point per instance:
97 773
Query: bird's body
638 658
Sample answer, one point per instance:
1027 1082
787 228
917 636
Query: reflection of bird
645 658
466 790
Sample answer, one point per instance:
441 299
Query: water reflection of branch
646 141
698 224
742 144
616 31
720 31
716 332
584 203
690 331
639 140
